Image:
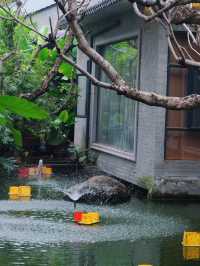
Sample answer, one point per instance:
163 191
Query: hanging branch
118 84
162 11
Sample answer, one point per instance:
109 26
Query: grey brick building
146 146
39 11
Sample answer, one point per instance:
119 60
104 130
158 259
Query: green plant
56 130
23 74
78 154
13 105
5 136
92 156
147 182
7 164
82 156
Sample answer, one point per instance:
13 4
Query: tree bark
118 84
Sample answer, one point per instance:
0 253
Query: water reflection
122 253
15 197
191 253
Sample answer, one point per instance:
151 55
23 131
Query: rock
98 189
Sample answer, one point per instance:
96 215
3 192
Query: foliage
55 131
124 57
24 73
82 156
22 107
78 154
12 104
7 164
6 136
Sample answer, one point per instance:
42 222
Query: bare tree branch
162 11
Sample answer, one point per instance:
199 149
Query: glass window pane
116 114
193 117
183 145
177 87
183 127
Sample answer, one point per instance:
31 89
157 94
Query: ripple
40 221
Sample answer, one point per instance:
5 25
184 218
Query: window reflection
183 127
116 114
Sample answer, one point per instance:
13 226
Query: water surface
41 232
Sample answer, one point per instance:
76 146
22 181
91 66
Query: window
193 117
183 127
116 114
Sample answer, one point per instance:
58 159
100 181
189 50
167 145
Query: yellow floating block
191 239
14 191
145 265
16 197
13 197
191 253
32 171
90 218
25 191
196 5
47 170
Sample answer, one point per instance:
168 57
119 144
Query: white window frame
131 156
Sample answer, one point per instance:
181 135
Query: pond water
40 231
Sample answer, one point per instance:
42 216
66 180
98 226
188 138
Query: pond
40 231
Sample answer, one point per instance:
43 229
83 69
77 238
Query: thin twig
22 23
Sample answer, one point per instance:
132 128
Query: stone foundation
177 187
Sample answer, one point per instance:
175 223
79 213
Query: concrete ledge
177 187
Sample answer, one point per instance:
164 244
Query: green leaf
3 120
57 122
82 159
64 116
23 107
44 54
17 137
74 52
66 69
61 42
2 109
75 42
53 54
21 37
